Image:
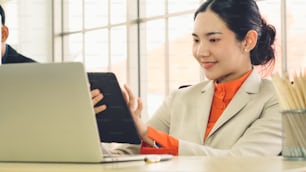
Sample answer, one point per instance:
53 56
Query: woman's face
216 48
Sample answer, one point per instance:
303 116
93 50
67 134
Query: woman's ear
5 33
250 40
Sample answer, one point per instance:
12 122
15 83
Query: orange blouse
223 94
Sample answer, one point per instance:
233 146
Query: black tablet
115 123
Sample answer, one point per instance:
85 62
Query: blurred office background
147 43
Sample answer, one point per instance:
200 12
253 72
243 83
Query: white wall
30 27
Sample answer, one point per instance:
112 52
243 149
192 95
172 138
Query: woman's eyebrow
193 34
212 33
207 34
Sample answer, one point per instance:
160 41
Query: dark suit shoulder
14 57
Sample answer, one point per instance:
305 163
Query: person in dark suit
10 55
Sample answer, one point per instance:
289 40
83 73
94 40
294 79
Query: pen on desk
157 158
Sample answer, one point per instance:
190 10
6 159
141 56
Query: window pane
96 13
118 11
182 5
73 48
271 11
183 68
296 34
154 8
96 50
156 69
72 15
119 52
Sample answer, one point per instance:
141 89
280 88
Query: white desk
183 164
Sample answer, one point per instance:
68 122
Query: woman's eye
195 40
213 40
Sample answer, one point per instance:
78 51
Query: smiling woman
233 113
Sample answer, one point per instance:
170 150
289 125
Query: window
92 31
296 35
146 43
287 16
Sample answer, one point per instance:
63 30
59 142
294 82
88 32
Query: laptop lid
46 114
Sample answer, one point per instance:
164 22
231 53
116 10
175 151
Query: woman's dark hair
241 16
2 15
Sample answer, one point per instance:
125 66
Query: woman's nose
203 50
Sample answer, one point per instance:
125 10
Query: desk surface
182 163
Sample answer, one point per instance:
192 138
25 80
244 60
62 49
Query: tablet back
115 123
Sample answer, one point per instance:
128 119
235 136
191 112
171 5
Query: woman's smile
208 65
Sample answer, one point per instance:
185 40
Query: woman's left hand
136 107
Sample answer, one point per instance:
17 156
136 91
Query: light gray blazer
249 126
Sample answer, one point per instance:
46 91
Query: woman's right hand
97 96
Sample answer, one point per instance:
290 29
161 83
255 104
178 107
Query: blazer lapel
240 99
203 108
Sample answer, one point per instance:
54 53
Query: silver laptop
46 115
